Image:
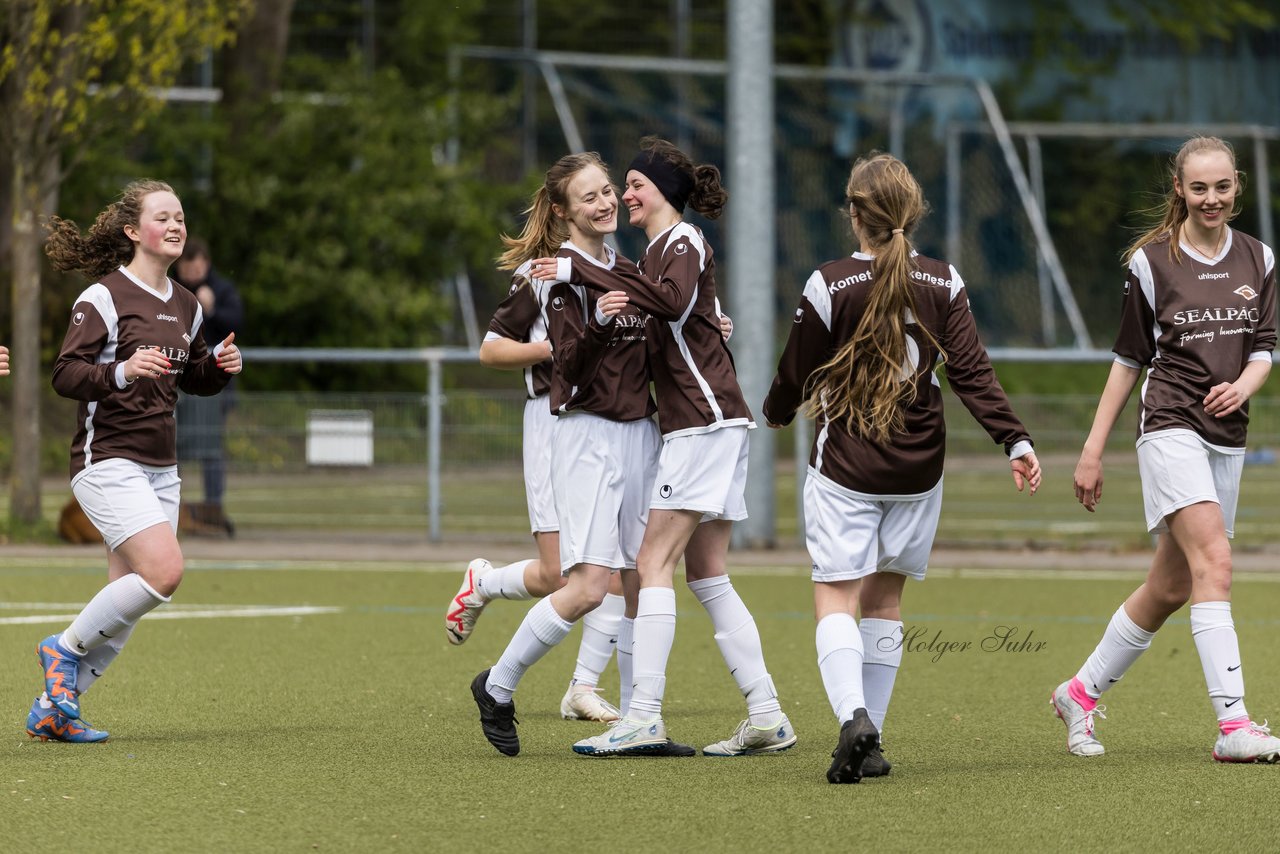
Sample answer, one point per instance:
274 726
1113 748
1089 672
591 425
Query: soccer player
134 339
517 340
604 441
867 336
702 470
1199 313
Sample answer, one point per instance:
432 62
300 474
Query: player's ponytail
543 231
870 381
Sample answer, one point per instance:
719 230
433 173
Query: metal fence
456 452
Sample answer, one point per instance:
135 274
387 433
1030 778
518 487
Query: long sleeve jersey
601 365
1193 325
519 317
910 463
693 371
110 321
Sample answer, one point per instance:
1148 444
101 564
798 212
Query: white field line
189 613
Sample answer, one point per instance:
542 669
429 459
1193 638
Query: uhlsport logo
682 248
77 318
799 315
1246 292
665 490
558 303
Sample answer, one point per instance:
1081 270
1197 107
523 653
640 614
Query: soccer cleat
858 737
465 607
875 765
60 669
584 704
1080 738
630 738
1252 743
498 720
52 725
748 740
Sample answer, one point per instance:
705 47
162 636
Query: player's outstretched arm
1026 472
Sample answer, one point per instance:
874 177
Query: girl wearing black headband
702 469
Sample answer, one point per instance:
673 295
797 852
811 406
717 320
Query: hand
229 355
1026 470
612 303
1088 481
1224 399
4 361
204 296
146 362
543 268
726 327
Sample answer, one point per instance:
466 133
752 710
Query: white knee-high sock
1214 632
626 672
541 629
505 582
655 633
881 657
840 662
1121 645
96 662
739 642
599 637
115 607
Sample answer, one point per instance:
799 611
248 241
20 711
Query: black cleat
498 720
858 737
875 765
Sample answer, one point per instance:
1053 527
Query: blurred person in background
201 420
133 340
869 332
1199 313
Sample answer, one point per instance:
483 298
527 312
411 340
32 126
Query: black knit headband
674 185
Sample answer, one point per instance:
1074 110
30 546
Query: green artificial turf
354 730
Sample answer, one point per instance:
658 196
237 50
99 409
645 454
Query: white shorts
1179 469
602 473
851 534
122 497
706 472
539 423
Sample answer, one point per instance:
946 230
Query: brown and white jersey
1193 325
834 301
600 364
519 317
693 372
109 322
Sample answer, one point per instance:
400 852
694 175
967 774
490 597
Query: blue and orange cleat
52 725
60 669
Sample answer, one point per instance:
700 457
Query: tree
67 70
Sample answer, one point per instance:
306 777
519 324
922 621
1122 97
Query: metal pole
802 427
529 40
435 399
680 11
1262 181
953 197
752 240
1035 165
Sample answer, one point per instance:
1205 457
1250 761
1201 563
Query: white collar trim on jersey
163 296
863 256
613 256
1204 259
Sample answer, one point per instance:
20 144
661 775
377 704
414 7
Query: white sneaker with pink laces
1250 743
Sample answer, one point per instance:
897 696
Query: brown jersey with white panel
109 322
1193 325
693 371
601 365
835 299
519 317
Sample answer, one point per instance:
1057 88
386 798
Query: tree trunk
252 64
24 480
